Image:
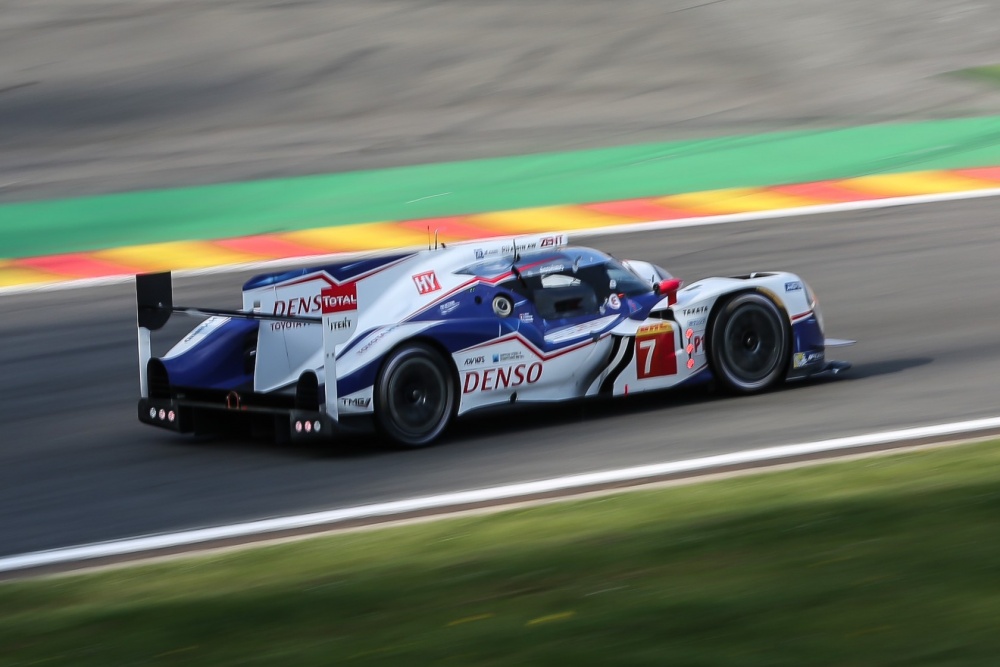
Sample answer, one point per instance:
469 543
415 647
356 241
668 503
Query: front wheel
414 395
749 344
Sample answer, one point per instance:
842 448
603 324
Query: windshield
623 281
560 290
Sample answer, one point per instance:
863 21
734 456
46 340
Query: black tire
414 395
749 343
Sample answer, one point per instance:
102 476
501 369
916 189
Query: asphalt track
914 284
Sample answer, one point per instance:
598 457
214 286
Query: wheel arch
720 303
391 422
437 346
449 359
723 299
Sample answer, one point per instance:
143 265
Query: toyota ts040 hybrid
412 341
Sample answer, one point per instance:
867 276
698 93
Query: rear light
308 426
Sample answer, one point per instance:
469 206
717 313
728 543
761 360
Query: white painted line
440 194
507 492
631 228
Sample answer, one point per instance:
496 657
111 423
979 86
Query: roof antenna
517 255
428 237
435 239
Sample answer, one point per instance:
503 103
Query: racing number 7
649 347
655 354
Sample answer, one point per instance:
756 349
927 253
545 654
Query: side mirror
669 289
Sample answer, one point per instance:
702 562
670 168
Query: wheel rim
751 343
417 397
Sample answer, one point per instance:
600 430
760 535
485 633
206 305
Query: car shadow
525 417
884 367
531 416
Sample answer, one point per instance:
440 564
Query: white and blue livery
410 341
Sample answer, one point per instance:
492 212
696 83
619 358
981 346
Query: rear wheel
749 344
414 395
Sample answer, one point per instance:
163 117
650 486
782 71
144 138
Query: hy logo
426 282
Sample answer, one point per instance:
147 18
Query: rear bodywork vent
159 382
307 392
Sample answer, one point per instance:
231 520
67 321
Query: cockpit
568 283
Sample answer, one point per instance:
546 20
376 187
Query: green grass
884 561
986 73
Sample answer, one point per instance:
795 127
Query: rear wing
155 304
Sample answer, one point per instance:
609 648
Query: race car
408 342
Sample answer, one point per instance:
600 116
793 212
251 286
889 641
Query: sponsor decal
356 402
507 356
333 299
448 307
614 302
552 268
697 323
339 298
203 328
654 329
340 313
694 344
654 351
509 249
800 359
280 326
793 286
374 339
697 310
475 361
527 318
484 253
502 377
426 282
298 306
340 324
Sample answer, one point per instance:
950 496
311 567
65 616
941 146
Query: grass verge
883 561
987 74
